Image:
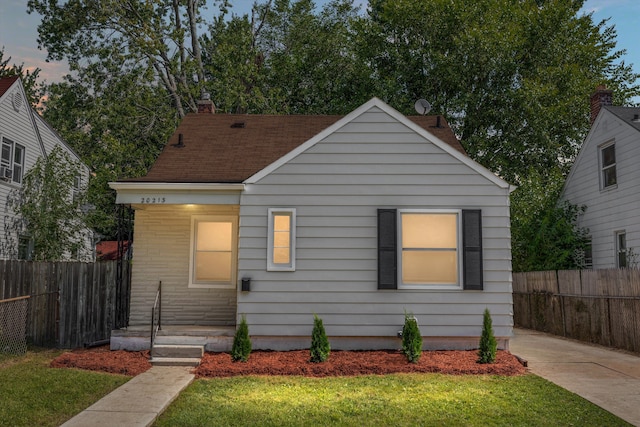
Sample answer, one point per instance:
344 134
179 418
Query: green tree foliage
411 339
29 79
241 348
488 344
116 36
513 78
117 124
320 347
545 235
46 210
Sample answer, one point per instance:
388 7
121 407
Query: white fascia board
159 193
376 102
174 186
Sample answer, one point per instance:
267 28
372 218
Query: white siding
161 253
18 126
337 186
611 209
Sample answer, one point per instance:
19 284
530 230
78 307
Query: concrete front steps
176 354
175 345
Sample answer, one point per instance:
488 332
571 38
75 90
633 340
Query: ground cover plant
34 394
382 400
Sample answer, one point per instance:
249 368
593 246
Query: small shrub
488 344
241 348
320 347
411 338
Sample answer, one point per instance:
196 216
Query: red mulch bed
340 363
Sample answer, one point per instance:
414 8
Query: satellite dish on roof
422 106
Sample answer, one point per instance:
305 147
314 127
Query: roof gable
621 114
6 83
418 124
232 148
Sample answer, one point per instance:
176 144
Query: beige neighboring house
25 137
357 218
606 179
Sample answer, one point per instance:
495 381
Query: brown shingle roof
6 83
229 148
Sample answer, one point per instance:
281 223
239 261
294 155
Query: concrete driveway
606 377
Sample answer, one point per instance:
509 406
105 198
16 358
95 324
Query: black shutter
472 249
387 243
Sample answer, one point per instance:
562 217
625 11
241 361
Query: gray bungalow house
357 218
606 179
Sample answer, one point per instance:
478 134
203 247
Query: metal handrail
157 308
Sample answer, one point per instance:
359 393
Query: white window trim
617 248
456 286
601 167
13 144
234 251
291 266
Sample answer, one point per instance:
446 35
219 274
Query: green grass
32 394
392 400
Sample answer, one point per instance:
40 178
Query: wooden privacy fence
597 306
72 304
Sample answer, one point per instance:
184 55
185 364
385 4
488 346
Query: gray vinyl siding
612 209
337 186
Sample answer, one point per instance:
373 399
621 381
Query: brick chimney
602 96
205 105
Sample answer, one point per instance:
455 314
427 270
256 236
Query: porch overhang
177 193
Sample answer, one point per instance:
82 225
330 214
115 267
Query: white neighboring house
606 179
25 137
356 218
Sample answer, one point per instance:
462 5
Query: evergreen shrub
241 348
320 348
411 338
488 344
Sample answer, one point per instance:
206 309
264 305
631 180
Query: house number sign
152 200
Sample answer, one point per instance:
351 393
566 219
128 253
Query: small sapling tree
241 348
488 345
411 338
320 348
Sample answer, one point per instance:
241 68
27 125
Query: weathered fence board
598 306
72 304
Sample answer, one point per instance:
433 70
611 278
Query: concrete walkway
139 401
605 377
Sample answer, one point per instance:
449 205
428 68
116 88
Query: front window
608 159
11 161
281 240
213 254
430 248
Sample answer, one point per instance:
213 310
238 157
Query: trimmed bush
488 344
320 347
241 348
411 338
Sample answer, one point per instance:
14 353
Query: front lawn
389 400
33 394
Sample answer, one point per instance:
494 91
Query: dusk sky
18 31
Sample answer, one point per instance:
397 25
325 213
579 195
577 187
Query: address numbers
152 200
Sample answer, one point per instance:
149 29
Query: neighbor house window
588 254
25 247
430 249
213 251
621 249
11 161
281 240
608 160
